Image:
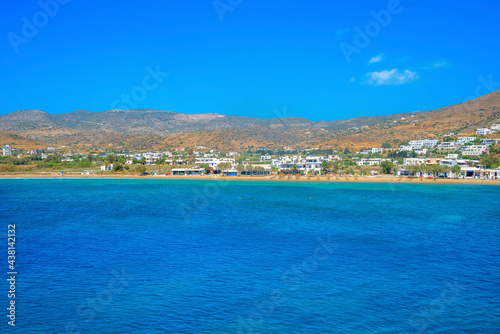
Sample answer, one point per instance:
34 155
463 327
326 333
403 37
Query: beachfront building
290 167
474 150
188 171
213 162
313 164
209 161
6 151
476 172
254 170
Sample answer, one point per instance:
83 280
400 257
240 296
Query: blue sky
320 60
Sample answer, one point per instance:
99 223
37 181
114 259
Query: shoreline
359 179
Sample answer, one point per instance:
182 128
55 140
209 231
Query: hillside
154 129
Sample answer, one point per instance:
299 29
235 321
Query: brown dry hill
156 129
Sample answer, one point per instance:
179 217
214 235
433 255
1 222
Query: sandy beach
360 179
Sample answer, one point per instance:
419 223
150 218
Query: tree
117 167
324 166
456 169
239 168
412 169
386 145
140 168
249 168
387 166
446 170
160 162
110 158
336 166
494 149
294 169
346 151
489 160
224 166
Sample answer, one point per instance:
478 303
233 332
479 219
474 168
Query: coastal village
454 156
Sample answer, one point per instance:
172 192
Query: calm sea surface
163 256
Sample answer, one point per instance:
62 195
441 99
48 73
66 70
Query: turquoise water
162 256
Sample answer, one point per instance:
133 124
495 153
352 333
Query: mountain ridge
88 128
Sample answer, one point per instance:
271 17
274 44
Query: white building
464 140
377 150
495 127
430 142
368 162
446 145
421 151
213 162
476 172
313 164
416 144
413 162
489 142
334 158
448 162
265 158
474 150
6 151
483 132
406 148
289 166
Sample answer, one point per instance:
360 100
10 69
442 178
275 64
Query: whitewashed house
474 150
483 132
465 140
6 151
447 145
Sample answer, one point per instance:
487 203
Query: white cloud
392 77
441 63
437 64
351 80
376 59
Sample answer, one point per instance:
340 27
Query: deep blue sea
165 256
